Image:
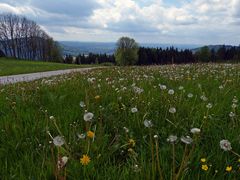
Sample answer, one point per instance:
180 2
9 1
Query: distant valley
75 48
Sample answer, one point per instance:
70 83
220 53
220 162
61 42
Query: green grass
27 151
12 66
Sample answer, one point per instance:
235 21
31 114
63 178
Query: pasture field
157 122
13 66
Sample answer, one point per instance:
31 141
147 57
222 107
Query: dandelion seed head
186 140
195 130
172 110
88 116
148 123
172 139
134 110
225 145
171 91
58 141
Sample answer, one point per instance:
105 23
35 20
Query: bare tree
24 39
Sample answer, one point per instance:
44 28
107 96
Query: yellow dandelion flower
229 168
90 134
205 167
131 142
203 160
85 160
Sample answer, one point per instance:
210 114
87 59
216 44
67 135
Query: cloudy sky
149 21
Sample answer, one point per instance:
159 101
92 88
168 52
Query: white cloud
191 21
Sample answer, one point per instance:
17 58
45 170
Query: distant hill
75 48
214 47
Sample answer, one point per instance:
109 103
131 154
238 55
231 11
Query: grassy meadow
157 122
13 66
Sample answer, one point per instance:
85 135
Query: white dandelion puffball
232 114
171 91
172 110
134 110
82 104
186 140
172 139
209 105
195 130
81 136
58 141
64 159
225 145
88 116
181 88
190 95
162 87
148 123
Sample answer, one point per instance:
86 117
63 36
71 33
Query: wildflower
186 140
172 110
171 91
235 100
126 129
91 80
221 87
85 160
162 87
229 168
58 141
232 114
137 90
148 123
131 142
205 167
82 104
172 139
195 130
234 105
136 168
209 106
134 110
97 97
203 160
130 150
81 136
90 134
62 162
225 145
204 98
181 88
88 116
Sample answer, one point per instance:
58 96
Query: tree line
22 38
159 56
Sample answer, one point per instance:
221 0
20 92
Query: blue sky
148 21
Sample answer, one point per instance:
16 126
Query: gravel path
33 76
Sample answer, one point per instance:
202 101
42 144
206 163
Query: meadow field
9 66
154 122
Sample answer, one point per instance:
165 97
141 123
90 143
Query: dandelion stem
158 161
182 163
235 153
173 163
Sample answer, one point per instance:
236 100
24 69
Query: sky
147 21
